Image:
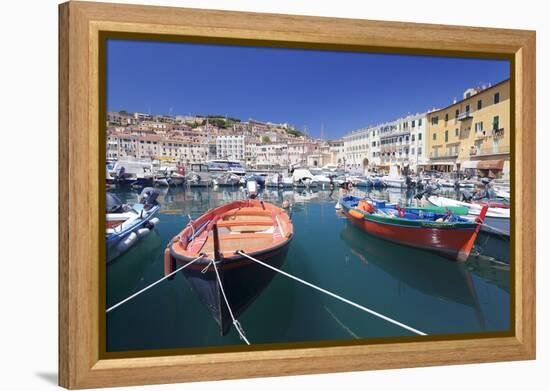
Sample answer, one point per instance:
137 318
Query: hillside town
472 133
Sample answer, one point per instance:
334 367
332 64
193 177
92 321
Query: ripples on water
415 287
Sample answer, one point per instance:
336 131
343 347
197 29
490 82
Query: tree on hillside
266 139
294 132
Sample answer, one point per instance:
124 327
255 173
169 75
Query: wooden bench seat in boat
247 242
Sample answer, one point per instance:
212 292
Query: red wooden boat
257 228
444 233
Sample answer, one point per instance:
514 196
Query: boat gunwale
410 223
205 218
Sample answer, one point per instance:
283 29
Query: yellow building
474 133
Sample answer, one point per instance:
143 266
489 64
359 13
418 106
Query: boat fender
355 213
127 242
169 263
152 223
142 232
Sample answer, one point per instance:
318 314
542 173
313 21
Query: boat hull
497 220
449 242
113 241
243 281
496 225
261 230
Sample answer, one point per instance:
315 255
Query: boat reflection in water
425 272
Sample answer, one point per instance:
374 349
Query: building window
446 136
446 117
467 108
479 104
495 122
457 112
412 123
456 132
497 98
420 122
435 120
419 151
419 136
434 136
412 137
479 126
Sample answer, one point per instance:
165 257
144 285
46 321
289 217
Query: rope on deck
236 323
153 284
372 312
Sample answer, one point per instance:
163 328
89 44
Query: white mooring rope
372 312
236 323
153 284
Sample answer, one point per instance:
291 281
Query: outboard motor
119 174
252 189
148 196
467 196
429 189
113 204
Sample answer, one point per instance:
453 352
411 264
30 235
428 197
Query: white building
231 147
251 151
357 148
272 155
401 143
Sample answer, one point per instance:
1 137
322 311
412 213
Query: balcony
443 156
498 132
480 135
495 150
464 116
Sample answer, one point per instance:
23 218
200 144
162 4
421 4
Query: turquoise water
417 288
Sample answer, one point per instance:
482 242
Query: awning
490 165
469 164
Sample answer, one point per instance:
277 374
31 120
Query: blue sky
342 91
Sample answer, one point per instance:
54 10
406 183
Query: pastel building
473 133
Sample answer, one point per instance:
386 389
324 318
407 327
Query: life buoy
169 263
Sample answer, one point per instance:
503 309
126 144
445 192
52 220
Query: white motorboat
497 220
126 224
303 178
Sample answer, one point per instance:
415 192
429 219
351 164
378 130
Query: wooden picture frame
80 26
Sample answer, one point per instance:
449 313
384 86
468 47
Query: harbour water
417 288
